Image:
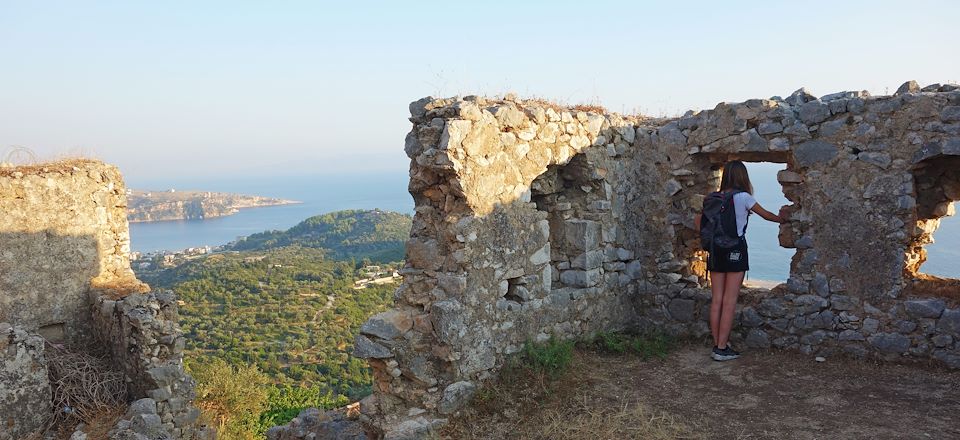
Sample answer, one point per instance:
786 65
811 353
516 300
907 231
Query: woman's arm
696 222
767 215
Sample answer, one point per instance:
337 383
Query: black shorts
733 260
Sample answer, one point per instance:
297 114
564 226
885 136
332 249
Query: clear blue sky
224 88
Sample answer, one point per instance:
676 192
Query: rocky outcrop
536 221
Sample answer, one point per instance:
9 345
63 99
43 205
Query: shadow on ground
767 394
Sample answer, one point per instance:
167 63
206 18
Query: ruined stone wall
856 167
25 403
146 343
515 239
534 221
63 227
65 274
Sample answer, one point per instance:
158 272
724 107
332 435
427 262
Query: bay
320 194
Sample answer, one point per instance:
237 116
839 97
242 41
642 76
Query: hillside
151 206
283 312
286 317
372 234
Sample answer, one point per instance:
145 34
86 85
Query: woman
727 268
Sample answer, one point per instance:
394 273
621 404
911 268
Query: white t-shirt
742 204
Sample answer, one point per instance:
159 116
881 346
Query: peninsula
152 206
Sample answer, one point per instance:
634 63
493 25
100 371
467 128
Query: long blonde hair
735 177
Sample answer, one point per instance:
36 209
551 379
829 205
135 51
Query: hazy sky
227 88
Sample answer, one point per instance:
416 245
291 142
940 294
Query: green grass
646 345
551 358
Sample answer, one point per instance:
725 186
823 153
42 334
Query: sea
769 263
318 195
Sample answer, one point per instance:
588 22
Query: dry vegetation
57 166
86 389
685 395
931 286
526 403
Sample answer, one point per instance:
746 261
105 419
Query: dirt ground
762 395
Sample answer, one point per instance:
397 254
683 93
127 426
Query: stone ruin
65 280
536 221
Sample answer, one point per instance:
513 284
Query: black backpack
718 222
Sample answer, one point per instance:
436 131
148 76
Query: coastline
233 210
761 284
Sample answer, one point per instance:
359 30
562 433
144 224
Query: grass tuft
646 345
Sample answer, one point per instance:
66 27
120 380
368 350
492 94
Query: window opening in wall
769 262
936 246
943 255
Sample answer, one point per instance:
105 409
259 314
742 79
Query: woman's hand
784 214
767 215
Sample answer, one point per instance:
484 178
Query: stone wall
65 274
856 167
63 227
25 403
535 221
145 341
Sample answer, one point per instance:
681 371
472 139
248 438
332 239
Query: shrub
232 398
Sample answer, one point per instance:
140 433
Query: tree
231 397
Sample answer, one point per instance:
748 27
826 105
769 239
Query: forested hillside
271 330
376 235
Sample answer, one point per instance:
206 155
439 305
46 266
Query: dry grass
527 404
59 166
562 107
591 108
582 418
930 286
102 422
117 288
86 387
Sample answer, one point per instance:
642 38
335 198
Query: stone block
949 322
757 338
814 112
850 335
843 302
908 87
387 325
682 309
924 308
455 396
588 260
25 393
950 113
580 278
871 326
889 342
364 348
814 152
582 235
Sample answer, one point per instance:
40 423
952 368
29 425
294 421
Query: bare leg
731 289
717 280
